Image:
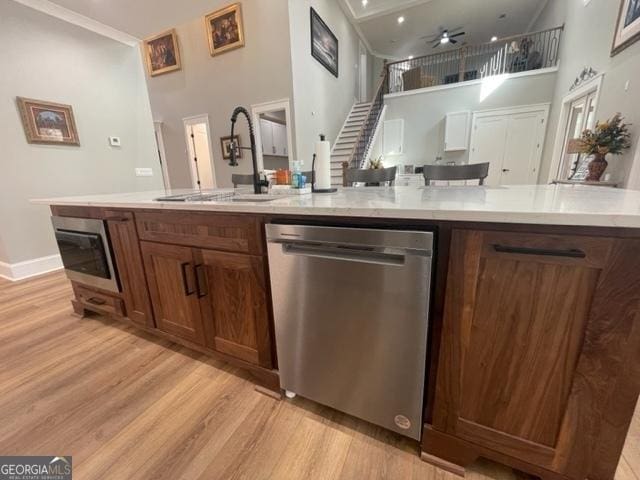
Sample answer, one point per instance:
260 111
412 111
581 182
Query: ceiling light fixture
494 39
365 3
410 57
444 40
400 19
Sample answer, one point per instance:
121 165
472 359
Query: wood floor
129 406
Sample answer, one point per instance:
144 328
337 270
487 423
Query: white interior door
200 155
488 144
511 142
523 148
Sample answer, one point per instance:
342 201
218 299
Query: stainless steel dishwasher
351 308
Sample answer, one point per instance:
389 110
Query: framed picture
162 54
47 122
628 26
324 44
225 30
225 144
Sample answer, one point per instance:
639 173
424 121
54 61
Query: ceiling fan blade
457 34
436 44
453 40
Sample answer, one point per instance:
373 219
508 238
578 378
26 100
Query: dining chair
474 171
370 177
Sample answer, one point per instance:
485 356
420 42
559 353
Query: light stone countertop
533 204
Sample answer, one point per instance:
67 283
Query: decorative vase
597 166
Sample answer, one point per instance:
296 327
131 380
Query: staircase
346 141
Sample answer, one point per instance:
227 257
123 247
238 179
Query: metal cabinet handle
202 292
571 253
185 283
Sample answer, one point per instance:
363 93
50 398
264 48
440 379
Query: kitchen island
533 356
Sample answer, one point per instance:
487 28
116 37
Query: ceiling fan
445 36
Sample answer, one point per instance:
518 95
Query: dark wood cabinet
537 335
173 288
128 258
233 295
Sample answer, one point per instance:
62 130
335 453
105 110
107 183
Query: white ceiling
378 23
142 18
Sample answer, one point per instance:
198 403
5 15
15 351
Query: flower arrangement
611 137
376 164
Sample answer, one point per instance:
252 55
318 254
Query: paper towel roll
323 165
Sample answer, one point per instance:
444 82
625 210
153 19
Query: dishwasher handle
349 253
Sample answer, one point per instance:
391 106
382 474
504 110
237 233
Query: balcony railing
519 53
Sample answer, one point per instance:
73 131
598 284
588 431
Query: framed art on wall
162 54
225 30
324 44
628 26
47 122
225 145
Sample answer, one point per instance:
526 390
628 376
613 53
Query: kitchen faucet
233 162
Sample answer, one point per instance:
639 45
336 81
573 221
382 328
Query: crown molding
62 13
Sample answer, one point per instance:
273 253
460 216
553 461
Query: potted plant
611 136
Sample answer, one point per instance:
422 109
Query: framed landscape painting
162 54
628 26
324 44
225 30
47 122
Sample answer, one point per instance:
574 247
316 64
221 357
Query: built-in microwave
85 251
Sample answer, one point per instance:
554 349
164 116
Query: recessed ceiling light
400 19
410 57
494 39
365 2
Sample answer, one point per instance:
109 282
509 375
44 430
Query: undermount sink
222 196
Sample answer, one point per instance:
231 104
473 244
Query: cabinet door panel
517 308
236 302
126 249
172 285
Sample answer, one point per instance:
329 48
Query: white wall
48 59
424 113
587 42
259 72
322 101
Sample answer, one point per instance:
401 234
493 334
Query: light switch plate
114 141
144 172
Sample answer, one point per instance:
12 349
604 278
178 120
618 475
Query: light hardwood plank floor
127 405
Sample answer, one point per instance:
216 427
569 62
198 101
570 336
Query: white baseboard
30 268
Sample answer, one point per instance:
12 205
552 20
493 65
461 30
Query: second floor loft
514 54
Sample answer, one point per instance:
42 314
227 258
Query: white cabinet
393 137
274 138
456 131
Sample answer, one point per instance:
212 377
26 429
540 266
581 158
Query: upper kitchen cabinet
233 294
274 138
456 131
537 335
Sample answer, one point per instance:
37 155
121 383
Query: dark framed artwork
225 145
225 30
162 54
627 27
47 122
324 44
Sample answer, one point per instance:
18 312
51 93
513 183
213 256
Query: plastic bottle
296 175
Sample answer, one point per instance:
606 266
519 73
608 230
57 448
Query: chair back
475 171
368 176
241 179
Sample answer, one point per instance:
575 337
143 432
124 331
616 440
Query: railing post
462 64
345 166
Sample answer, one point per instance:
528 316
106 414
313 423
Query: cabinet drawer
233 233
99 301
